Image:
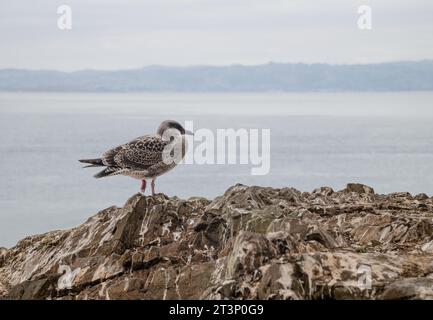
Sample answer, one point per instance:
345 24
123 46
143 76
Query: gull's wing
139 154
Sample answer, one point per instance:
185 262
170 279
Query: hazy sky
108 34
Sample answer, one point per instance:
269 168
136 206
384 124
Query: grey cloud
124 34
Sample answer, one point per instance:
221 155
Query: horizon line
215 66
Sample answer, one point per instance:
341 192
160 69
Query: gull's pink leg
143 185
152 184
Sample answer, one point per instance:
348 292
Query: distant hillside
396 76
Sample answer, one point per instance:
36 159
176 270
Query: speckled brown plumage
142 158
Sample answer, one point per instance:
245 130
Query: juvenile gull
143 158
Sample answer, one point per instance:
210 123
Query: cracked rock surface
250 243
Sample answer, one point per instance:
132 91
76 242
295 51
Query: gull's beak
187 132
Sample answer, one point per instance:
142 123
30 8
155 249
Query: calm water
381 139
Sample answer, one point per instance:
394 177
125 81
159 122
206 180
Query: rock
279 282
421 196
324 191
34 289
428 247
249 252
359 188
3 252
250 243
410 289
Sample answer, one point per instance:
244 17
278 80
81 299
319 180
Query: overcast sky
108 34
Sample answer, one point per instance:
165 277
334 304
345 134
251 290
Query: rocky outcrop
250 243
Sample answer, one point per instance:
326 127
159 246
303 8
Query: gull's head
171 127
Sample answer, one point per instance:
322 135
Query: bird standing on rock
147 157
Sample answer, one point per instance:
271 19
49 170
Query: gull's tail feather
92 162
109 171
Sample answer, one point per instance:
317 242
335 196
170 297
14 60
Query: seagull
146 157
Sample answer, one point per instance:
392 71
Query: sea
384 140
